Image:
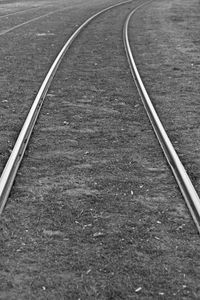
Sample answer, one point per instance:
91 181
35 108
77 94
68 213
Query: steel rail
13 163
188 191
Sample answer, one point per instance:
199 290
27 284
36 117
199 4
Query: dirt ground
95 212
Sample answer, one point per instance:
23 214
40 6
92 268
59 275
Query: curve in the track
188 191
13 163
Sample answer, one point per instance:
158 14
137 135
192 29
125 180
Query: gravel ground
95 212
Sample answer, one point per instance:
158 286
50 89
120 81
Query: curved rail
188 191
13 163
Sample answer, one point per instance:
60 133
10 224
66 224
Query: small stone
98 234
87 225
138 289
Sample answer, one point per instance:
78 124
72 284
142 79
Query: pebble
138 289
98 234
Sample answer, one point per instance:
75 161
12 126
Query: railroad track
11 168
187 189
